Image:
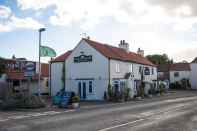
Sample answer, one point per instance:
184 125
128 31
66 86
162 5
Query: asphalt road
172 112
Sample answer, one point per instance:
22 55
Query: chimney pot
124 45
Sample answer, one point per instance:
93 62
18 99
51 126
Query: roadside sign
30 68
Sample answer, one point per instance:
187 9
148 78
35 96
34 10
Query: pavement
174 111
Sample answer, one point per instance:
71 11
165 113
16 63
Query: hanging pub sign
83 58
146 71
30 69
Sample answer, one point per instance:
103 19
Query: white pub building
91 66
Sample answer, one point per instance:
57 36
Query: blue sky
157 26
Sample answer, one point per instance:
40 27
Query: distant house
16 77
57 75
163 72
179 71
193 66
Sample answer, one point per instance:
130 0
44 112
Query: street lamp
39 66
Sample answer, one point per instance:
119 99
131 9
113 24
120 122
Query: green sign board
83 58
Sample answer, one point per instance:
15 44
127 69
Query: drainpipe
50 76
64 75
109 71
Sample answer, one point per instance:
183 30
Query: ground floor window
116 86
90 87
119 85
16 83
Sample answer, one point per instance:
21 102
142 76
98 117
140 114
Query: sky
156 26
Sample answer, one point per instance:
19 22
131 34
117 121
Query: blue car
63 98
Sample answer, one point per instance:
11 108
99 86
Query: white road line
146 114
2 120
51 112
18 117
69 111
36 114
128 123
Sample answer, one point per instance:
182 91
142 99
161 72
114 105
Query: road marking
147 114
69 111
36 114
2 120
47 113
51 112
18 117
128 123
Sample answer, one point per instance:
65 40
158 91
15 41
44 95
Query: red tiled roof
118 53
180 67
195 60
163 68
62 57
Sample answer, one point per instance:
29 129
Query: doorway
82 90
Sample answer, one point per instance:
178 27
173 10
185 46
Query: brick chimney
140 52
124 45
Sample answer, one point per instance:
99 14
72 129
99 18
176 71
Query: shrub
118 96
75 99
127 93
110 92
105 95
175 85
185 83
152 90
161 88
141 90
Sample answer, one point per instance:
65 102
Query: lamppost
39 66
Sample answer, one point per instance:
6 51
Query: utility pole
39 66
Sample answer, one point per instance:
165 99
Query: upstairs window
131 68
176 74
146 71
117 68
152 71
140 69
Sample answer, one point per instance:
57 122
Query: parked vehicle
63 99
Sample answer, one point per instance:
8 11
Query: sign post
39 66
30 69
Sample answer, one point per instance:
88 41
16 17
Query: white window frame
152 71
176 74
117 67
93 89
131 68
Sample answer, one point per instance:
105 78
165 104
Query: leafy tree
159 59
2 67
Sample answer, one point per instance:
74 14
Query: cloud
186 54
89 13
25 23
9 22
187 7
5 12
4 28
34 4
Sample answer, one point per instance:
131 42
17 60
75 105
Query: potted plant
75 101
